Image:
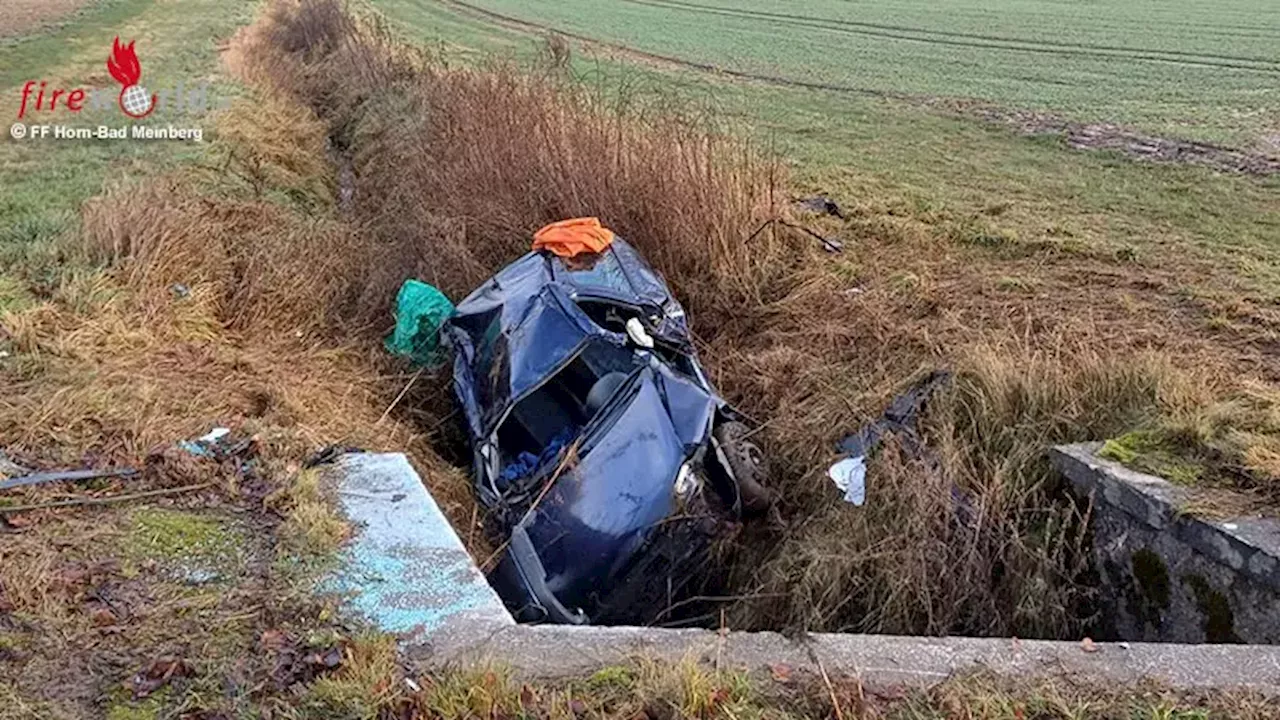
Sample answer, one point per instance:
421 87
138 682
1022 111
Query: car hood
600 511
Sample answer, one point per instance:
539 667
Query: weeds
456 167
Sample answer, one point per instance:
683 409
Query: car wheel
747 464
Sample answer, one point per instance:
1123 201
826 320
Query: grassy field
46 182
151 291
943 171
1182 69
1079 292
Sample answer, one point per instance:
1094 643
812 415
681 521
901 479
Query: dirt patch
25 16
1107 136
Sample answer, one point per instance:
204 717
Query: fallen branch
105 500
570 455
399 397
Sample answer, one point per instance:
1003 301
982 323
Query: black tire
748 465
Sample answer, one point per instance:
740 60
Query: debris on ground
206 445
570 238
850 478
328 455
157 675
421 310
822 205
64 476
9 468
902 420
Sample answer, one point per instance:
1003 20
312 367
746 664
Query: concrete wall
1169 577
407 573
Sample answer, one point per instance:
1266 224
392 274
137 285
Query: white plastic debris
214 436
850 477
638 335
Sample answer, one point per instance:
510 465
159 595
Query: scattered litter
196 577
421 310
9 468
328 455
206 445
901 419
4 354
569 238
7 509
820 204
180 291
413 686
831 245
1125 645
1230 526
64 475
328 659
850 476
1089 646
157 675
273 640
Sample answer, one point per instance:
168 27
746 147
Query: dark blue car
605 458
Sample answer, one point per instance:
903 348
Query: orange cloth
568 238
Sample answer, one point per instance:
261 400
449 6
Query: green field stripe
975 40
30 57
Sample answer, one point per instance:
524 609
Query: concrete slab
879 661
406 571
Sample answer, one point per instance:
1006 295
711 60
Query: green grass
46 181
898 158
1178 68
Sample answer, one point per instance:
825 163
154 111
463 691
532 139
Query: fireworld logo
134 100
125 68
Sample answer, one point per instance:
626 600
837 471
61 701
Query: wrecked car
607 463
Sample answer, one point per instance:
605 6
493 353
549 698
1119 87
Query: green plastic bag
420 311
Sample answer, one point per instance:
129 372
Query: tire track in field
669 60
1080 136
973 40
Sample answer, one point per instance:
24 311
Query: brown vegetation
454 168
255 296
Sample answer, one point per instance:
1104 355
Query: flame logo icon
124 67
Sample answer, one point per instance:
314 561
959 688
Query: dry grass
372 684
454 168
247 297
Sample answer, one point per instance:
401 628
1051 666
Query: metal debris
64 475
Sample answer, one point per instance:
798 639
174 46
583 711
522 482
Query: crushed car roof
524 322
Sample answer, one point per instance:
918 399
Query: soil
1108 136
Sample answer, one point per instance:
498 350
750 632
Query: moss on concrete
1219 621
1155 452
1151 578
